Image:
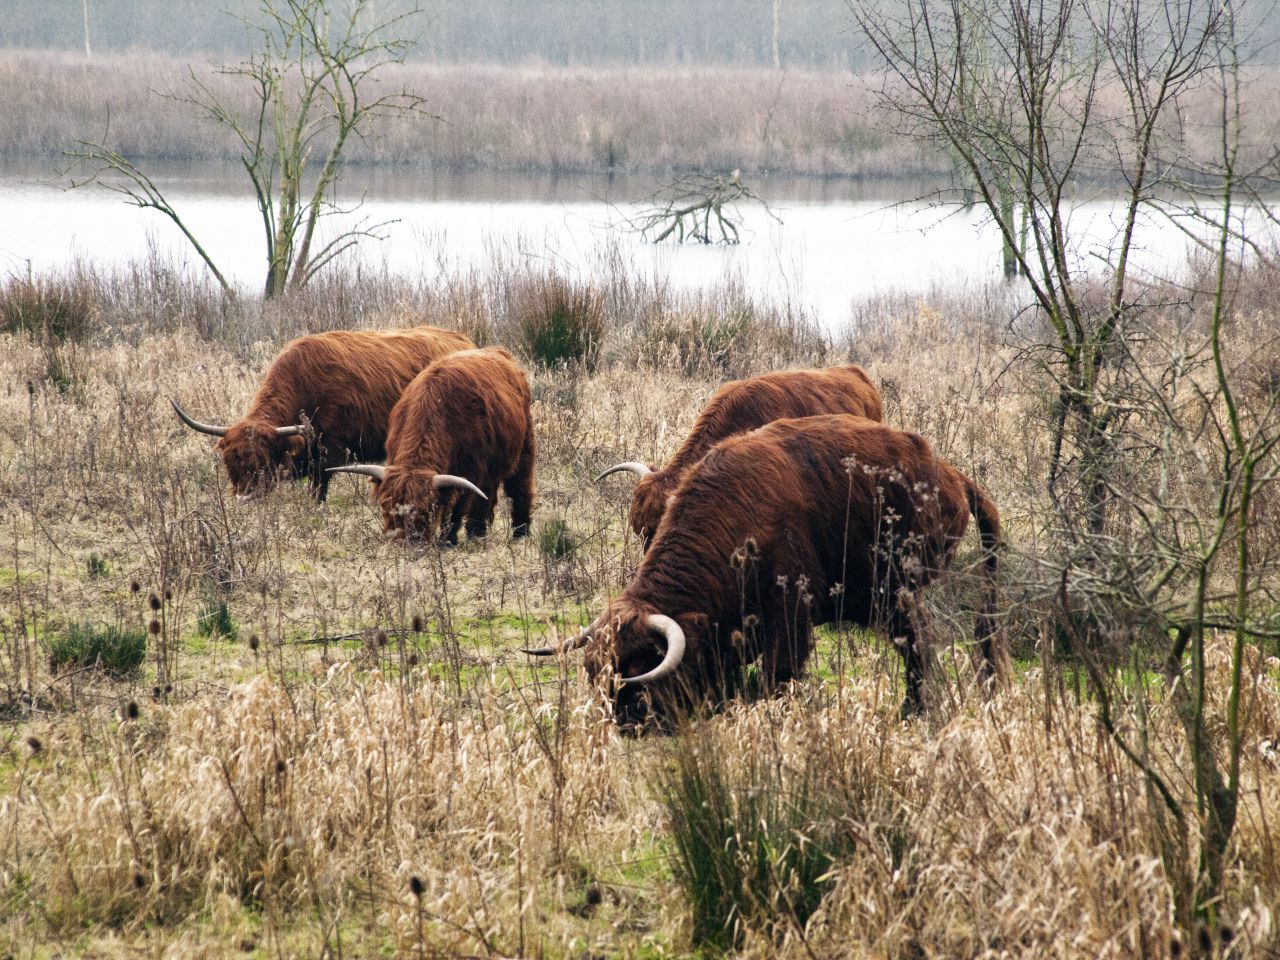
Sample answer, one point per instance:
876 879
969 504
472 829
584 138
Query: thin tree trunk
88 53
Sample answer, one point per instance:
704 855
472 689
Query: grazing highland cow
462 427
324 401
799 523
743 405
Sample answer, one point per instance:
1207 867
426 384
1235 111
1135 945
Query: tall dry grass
509 118
369 767
563 119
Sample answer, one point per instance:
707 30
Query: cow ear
698 621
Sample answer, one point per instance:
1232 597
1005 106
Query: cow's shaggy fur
799 523
467 415
743 405
342 386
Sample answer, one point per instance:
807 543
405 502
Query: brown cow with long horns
463 427
323 401
739 406
796 524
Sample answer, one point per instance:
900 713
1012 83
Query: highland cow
462 428
796 524
743 405
324 401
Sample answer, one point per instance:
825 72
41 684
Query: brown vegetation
370 767
520 118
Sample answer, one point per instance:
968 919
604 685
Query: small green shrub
556 540
113 649
752 845
214 620
560 322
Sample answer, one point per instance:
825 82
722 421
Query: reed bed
362 764
803 122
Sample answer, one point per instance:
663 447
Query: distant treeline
811 33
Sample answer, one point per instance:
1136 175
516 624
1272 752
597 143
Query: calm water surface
833 242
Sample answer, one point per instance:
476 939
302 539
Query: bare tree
1158 548
1012 90
696 206
315 80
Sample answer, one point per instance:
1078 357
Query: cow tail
986 632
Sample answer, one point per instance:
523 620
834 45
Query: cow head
642 660
648 500
410 497
255 453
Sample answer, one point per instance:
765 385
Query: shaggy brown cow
743 405
323 401
465 416
799 523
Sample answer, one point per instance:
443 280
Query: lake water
832 242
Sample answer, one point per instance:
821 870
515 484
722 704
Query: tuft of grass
113 649
48 307
754 846
214 620
560 322
556 540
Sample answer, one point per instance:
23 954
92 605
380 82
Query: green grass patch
752 845
116 650
214 620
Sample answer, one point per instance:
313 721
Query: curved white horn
675 650
196 425
577 642
631 466
442 480
291 431
364 469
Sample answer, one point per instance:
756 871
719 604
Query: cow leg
320 485
785 654
316 459
479 513
456 512
519 489
903 634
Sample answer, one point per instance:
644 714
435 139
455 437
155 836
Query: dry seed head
34 744
134 586
131 710
153 601
154 627
139 881
168 594
253 642
413 659
381 638
416 886
417 623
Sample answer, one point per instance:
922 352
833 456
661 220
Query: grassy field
332 748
